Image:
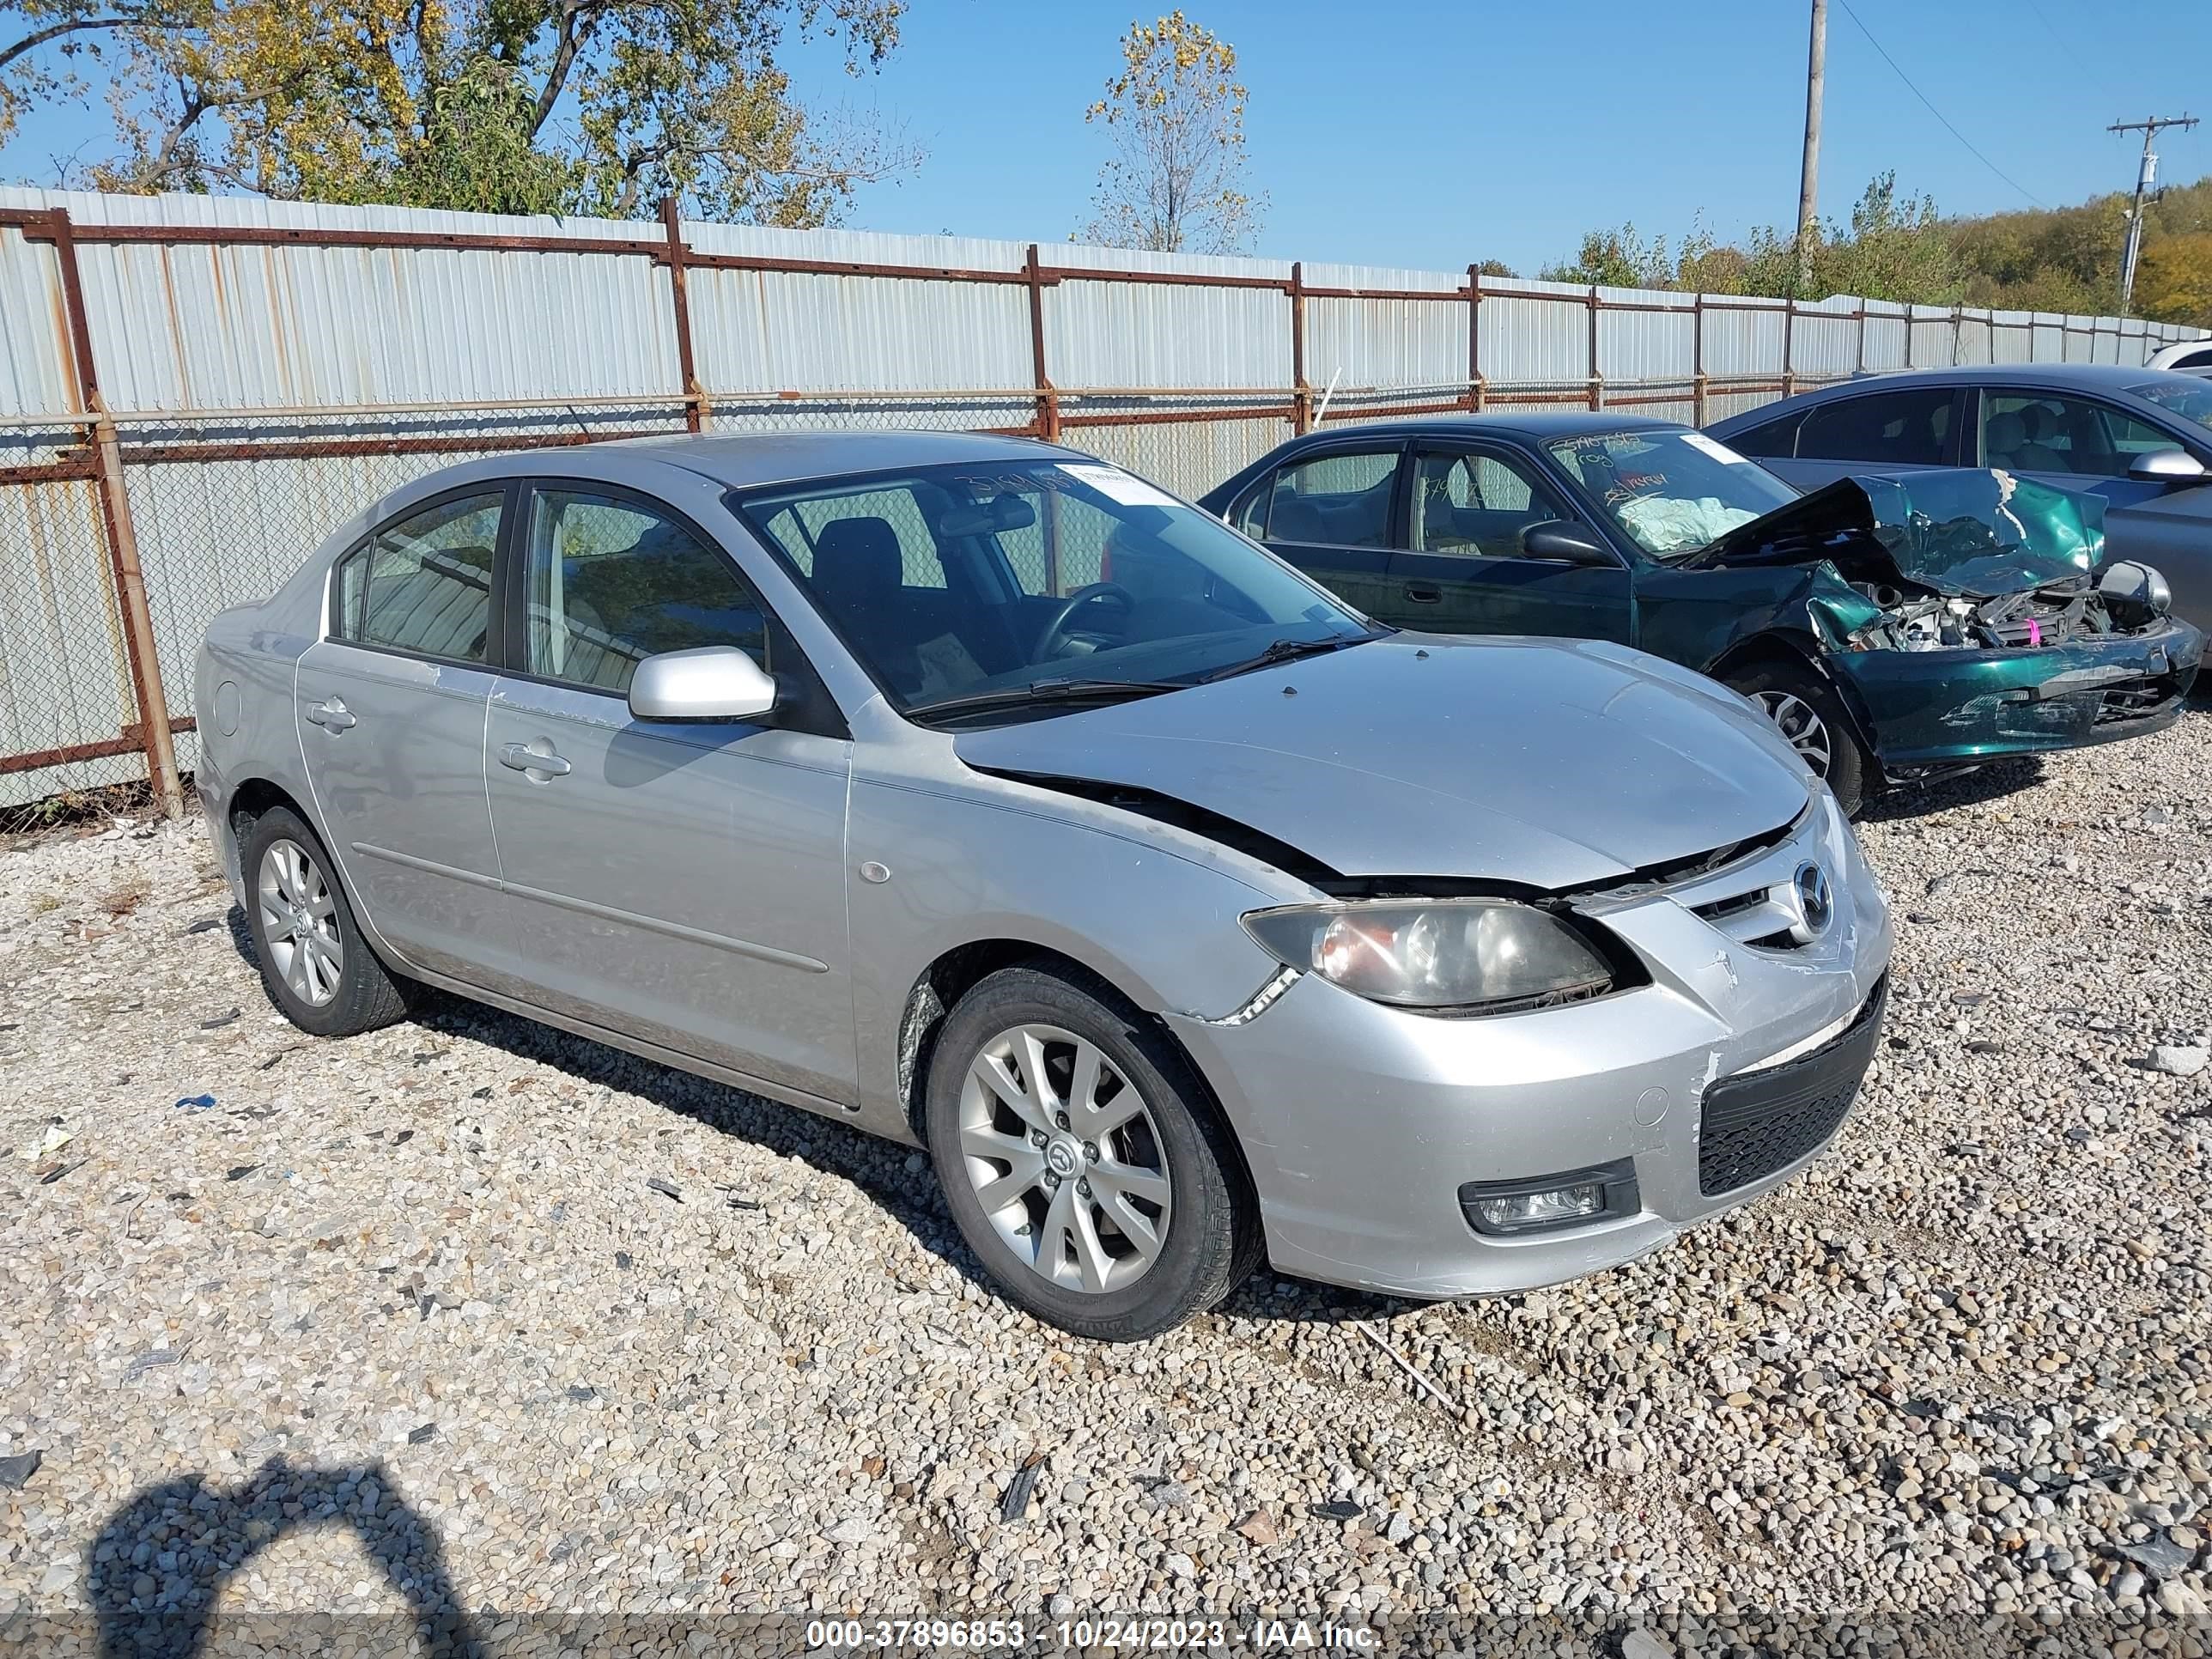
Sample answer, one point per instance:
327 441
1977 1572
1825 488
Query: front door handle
523 758
1424 593
332 714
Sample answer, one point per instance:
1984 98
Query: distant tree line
1900 248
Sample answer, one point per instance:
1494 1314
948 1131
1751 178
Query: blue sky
1427 134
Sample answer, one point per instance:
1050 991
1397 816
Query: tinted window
2034 432
1341 499
612 582
1908 428
1476 504
1774 439
423 584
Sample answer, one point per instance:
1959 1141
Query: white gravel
469 1314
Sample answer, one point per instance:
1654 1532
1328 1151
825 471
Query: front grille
1752 1125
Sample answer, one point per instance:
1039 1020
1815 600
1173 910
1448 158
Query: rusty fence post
695 413
1048 400
1700 401
1597 379
1301 390
1788 346
153 731
1475 387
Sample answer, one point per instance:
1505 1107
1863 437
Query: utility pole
1808 178
2146 176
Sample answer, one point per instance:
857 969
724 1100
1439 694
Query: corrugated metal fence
194 390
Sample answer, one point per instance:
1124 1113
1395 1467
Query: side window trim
340 630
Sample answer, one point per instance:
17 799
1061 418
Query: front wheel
1805 709
1084 1166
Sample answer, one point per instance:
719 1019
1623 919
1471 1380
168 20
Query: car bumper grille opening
1752 1125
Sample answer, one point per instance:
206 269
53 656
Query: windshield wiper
1277 651
1045 691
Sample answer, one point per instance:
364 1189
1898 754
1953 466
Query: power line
1932 110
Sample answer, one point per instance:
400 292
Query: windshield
1672 491
2188 398
1044 581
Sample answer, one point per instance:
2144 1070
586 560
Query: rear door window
422 585
1342 499
1773 440
1910 427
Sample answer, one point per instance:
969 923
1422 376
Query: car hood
1973 533
1545 763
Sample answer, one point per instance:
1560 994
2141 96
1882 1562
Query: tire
331 984
1061 1254
1789 694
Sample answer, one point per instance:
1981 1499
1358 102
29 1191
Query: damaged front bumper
1948 707
1365 1126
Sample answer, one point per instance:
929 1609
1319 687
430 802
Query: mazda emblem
1815 902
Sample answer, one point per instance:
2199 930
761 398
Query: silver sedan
984 796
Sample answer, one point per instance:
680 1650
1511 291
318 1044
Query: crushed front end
1968 614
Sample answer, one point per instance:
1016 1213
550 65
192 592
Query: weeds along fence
195 390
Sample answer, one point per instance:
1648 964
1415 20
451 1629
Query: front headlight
1475 955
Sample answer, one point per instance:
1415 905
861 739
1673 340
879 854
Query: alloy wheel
299 921
1800 722
1064 1158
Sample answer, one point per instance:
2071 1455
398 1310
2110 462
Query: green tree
1175 182
2174 284
579 106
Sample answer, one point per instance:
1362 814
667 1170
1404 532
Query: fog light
1508 1215
1542 1202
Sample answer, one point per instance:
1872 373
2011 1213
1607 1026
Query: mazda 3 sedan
1892 627
987 797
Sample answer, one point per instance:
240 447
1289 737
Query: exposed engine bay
1953 560
2060 615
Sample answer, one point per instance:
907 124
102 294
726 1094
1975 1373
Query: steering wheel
1056 631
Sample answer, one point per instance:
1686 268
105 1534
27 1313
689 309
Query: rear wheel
1805 709
315 964
1082 1162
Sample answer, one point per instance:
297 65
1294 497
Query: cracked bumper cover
1946 707
1361 1123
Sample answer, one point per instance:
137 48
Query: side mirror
2167 466
712 683
1564 544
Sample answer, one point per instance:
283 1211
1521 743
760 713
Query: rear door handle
523 758
332 714
1422 593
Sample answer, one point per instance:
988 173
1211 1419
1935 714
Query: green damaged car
1892 627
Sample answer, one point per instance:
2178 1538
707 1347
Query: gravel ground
469 1314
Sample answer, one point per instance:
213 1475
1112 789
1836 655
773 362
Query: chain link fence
122 534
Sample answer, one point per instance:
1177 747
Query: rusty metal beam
140 651
1048 400
680 301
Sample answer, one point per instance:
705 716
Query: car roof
2107 378
1536 425
742 461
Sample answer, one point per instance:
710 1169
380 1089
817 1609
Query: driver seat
860 578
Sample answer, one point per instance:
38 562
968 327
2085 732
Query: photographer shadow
161 1561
